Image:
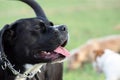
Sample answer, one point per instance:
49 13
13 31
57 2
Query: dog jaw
58 54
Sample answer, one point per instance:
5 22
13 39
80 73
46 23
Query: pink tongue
62 51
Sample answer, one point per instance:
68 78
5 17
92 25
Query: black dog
33 42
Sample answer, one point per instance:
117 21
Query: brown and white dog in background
84 53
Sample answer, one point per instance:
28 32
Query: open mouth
56 55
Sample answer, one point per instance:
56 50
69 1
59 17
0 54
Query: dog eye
42 27
41 24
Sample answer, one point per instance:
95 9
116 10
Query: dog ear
99 52
3 31
8 33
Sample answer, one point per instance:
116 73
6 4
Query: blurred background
86 19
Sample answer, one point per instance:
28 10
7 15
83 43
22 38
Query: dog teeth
45 52
48 52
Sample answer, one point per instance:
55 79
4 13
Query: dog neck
30 71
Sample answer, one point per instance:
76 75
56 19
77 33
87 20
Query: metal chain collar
6 63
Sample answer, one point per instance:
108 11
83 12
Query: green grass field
85 19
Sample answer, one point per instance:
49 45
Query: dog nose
62 28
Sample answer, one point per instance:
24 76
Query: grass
85 19
87 73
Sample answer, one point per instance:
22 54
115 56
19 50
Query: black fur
24 40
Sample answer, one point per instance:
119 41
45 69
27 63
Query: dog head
34 41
